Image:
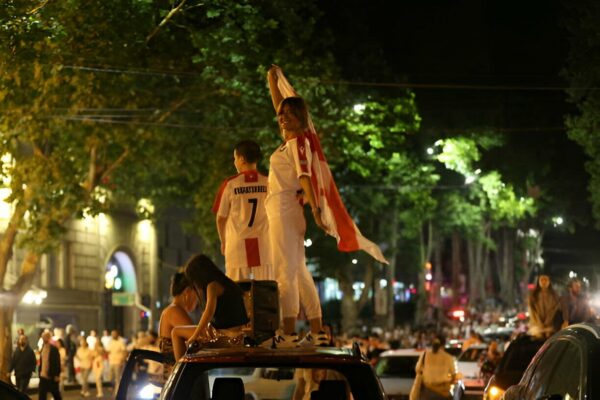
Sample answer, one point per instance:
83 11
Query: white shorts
261 273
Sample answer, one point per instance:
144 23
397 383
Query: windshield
399 366
519 355
471 355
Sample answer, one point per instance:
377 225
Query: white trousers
296 284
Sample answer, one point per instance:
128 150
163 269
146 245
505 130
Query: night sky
504 61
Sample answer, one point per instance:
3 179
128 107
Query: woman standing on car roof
544 307
290 177
224 311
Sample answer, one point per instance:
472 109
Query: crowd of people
65 356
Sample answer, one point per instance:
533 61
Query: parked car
468 367
396 371
515 360
9 392
230 373
565 367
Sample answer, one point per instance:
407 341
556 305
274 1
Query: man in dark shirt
575 306
23 363
49 369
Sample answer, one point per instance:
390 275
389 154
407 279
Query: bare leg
179 335
289 325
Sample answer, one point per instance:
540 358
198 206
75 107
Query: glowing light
383 283
557 221
103 223
308 243
118 284
145 230
34 296
477 171
428 276
149 391
359 108
572 274
354 261
430 151
469 179
145 206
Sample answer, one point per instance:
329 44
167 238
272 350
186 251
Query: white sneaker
320 339
284 341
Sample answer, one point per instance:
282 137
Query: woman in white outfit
289 176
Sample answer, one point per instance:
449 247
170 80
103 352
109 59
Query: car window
538 379
397 366
566 376
263 383
471 355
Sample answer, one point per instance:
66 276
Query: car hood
395 386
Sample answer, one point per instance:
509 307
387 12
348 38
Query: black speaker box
261 299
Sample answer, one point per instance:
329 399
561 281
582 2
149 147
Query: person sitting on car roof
544 305
224 311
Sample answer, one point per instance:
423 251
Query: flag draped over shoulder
333 212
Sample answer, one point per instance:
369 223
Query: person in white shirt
289 176
85 356
117 353
241 217
92 338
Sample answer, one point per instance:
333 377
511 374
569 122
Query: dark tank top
230 310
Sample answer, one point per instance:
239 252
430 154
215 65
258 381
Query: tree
583 77
132 100
488 204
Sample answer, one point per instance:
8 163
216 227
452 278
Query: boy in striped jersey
241 218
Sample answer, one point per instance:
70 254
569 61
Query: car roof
594 329
478 346
234 355
401 353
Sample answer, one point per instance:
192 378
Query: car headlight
493 393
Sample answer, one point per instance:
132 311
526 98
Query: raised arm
276 95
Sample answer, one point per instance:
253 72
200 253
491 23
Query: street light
34 296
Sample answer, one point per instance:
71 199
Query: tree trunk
391 270
507 277
350 307
425 247
6 315
456 268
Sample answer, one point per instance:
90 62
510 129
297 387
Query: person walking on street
575 306
98 367
116 358
438 371
71 349
23 363
49 369
62 351
85 356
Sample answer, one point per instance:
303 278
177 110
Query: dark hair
250 150
536 292
438 342
200 271
179 283
298 107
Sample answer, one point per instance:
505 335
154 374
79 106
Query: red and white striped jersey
241 199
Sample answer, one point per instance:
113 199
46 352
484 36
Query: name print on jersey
250 189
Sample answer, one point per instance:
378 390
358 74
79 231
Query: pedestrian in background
116 358
98 367
438 371
23 363
70 344
92 338
62 351
544 305
85 357
575 306
49 369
